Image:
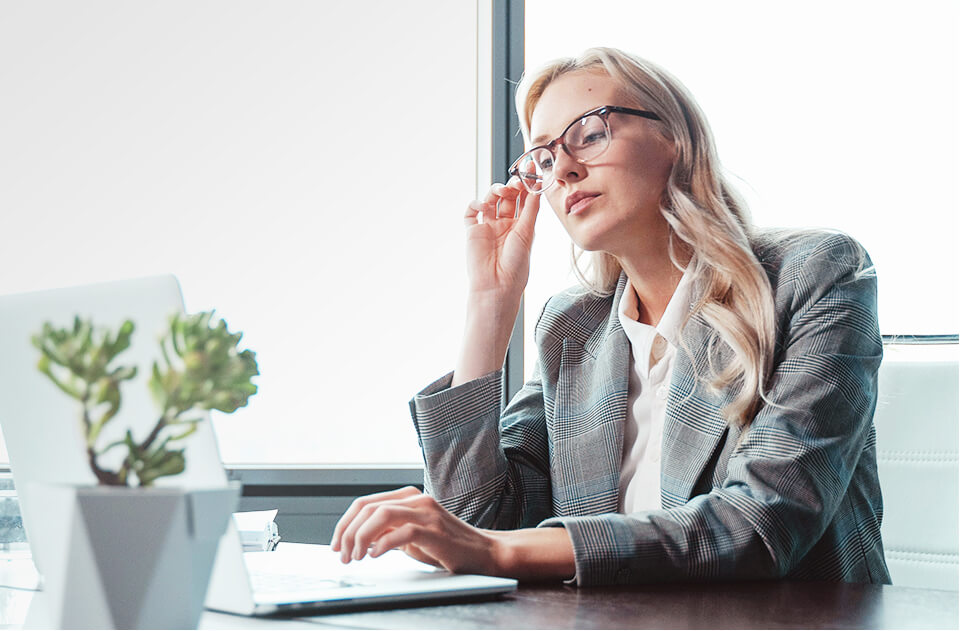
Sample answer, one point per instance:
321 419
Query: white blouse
653 350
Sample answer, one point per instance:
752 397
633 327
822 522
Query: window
302 167
840 115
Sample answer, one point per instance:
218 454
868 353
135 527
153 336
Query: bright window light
302 167
826 114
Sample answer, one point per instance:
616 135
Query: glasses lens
587 138
535 169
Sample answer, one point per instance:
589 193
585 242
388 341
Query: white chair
917 454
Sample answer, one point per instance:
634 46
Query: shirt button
662 392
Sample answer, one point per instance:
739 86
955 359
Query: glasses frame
603 112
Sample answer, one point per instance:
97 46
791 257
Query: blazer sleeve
489 469
786 479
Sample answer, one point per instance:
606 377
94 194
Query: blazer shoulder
574 313
791 257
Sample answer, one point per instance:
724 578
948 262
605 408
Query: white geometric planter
126 558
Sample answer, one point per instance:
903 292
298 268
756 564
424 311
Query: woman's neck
654 279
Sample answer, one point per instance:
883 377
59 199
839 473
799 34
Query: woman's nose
566 168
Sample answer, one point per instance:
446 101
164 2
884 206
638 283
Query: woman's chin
589 242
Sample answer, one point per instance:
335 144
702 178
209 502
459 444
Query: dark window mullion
507 66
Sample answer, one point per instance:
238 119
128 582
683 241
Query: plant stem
103 476
87 423
148 441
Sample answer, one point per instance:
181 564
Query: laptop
295 577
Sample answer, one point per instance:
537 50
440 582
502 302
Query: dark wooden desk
770 605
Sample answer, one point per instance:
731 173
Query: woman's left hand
408 520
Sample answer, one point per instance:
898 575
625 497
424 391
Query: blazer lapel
694 425
587 432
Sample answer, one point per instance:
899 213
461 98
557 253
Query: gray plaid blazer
797 496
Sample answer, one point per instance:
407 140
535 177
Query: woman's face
611 203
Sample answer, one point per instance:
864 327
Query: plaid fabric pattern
796 496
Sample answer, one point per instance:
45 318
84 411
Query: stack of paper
258 531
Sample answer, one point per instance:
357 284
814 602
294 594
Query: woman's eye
593 138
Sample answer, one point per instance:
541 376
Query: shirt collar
677 309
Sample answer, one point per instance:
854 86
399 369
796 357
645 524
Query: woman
703 411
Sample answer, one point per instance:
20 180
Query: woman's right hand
498 265
498 248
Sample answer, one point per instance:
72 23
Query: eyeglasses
584 139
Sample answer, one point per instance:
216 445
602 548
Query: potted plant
131 553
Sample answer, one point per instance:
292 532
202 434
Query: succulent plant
202 369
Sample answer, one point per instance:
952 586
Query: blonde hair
702 210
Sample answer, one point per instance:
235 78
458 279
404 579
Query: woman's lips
578 202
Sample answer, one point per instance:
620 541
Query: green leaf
157 390
44 366
216 374
79 360
203 368
160 462
190 430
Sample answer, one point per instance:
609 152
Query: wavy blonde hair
702 210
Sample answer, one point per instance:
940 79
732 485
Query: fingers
371 516
507 192
499 202
376 521
474 209
406 537
529 208
422 528
359 504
